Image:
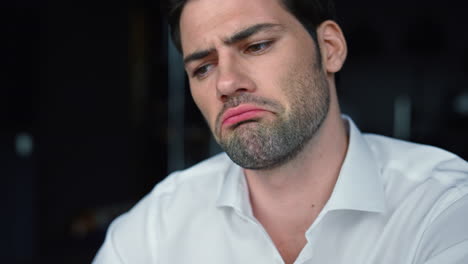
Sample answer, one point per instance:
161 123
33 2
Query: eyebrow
235 38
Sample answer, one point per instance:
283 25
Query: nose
232 79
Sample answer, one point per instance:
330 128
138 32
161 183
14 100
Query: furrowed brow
198 55
237 37
250 31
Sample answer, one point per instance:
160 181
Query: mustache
245 98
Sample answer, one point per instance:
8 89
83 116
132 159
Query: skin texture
277 70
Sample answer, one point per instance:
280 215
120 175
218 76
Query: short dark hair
311 13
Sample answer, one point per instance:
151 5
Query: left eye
258 47
202 71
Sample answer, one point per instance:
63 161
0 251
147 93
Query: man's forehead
205 21
237 37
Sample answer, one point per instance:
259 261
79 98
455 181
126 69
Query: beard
261 144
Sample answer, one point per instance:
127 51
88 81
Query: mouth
241 114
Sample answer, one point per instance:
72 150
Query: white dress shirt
394 202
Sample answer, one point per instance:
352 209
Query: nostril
239 92
224 98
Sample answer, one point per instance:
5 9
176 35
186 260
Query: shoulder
182 191
134 234
417 162
426 191
417 176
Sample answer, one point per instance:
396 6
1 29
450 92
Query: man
299 183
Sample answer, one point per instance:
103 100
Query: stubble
266 144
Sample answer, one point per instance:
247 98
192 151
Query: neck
308 179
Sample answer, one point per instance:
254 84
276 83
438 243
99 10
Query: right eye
259 48
202 71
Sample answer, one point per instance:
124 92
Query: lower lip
242 117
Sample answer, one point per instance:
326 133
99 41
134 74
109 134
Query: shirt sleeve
446 239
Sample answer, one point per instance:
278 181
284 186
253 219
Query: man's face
255 74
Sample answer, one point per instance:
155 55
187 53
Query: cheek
205 105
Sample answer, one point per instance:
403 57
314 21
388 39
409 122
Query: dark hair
311 13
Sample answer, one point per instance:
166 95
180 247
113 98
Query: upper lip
239 110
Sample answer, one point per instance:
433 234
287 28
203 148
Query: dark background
88 124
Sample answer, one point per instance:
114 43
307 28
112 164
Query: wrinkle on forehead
206 23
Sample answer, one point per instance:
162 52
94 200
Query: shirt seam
445 249
447 205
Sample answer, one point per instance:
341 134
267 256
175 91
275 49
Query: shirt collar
358 187
234 191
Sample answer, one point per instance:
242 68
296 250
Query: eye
259 48
202 71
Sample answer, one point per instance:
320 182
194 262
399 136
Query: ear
332 45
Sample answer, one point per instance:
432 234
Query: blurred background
95 109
